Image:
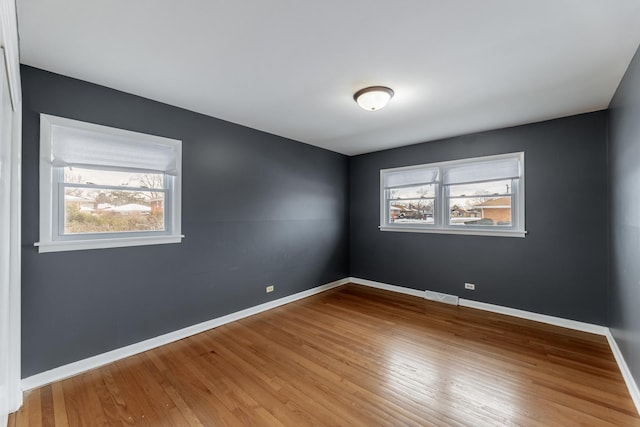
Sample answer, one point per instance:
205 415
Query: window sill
468 232
76 245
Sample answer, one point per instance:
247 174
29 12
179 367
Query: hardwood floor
352 356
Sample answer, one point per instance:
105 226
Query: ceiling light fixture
373 98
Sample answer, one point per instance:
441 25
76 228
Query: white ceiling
290 67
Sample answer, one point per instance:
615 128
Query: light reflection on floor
416 376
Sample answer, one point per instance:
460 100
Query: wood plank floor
352 356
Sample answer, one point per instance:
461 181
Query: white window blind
482 171
410 177
85 148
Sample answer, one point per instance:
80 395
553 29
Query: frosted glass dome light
373 98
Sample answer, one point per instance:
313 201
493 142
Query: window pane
491 188
413 192
483 195
112 178
89 210
490 211
417 211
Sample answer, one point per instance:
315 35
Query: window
102 187
483 195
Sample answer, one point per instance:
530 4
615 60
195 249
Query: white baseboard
537 317
624 369
551 320
386 287
75 368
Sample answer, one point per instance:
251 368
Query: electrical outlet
270 288
470 286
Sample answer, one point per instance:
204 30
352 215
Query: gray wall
559 268
624 186
257 209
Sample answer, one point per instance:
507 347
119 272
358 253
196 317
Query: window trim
440 225
51 241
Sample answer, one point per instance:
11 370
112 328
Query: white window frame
440 212
52 237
